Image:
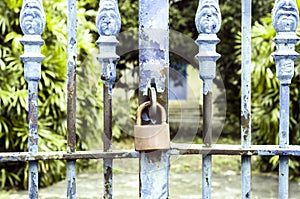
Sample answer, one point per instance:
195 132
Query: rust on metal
176 149
207 119
108 172
107 116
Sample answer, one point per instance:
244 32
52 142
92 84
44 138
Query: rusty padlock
151 137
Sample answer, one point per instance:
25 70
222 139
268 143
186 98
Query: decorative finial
108 21
208 17
285 16
32 17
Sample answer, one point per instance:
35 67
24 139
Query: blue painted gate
154 64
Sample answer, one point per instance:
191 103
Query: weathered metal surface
71 85
153 44
176 149
32 21
208 22
154 174
154 63
107 117
285 16
206 176
32 17
221 149
71 99
108 178
246 97
62 155
107 142
108 23
207 119
71 179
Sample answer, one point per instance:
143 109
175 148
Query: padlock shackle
144 105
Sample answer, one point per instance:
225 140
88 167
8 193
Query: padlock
151 137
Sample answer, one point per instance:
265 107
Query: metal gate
153 21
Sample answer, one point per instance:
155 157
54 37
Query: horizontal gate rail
176 149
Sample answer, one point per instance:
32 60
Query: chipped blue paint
246 97
108 20
207 57
32 17
71 179
108 60
153 44
32 22
208 22
285 21
154 63
208 17
108 181
154 175
206 176
33 182
108 23
285 16
71 99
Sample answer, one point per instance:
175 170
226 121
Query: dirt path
184 181
182 186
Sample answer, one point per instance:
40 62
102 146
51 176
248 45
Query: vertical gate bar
32 10
284 141
208 22
108 23
246 97
285 16
154 64
107 143
71 99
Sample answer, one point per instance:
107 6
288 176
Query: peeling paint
153 45
154 174
206 176
33 180
107 171
208 12
32 58
285 55
154 65
71 179
108 23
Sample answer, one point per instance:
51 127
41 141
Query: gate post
285 16
154 63
32 21
108 23
208 22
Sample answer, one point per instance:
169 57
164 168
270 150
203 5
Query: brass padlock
151 137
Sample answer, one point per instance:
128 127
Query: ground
184 178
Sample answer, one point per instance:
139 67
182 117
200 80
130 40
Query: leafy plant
265 95
52 89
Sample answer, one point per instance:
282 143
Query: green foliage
229 64
52 95
52 88
265 95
